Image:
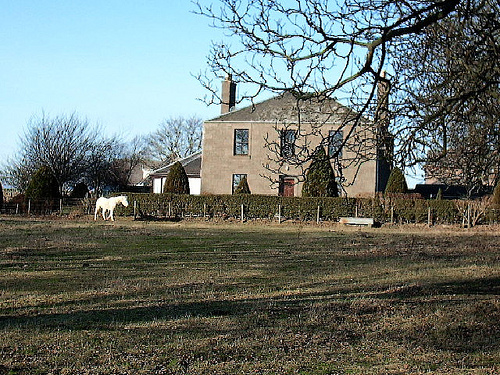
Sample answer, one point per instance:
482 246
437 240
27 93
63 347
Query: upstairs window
335 140
288 138
241 142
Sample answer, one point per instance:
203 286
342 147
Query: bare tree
323 50
129 156
17 172
99 162
74 151
61 143
448 107
175 138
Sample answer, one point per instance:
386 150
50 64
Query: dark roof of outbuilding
191 164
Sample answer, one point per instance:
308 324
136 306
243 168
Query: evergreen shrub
242 187
396 184
320 178
80 190
43 185
177 181
496 196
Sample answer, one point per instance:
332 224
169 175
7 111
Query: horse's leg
104 213
111 215
95 213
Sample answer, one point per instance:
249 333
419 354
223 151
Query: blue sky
125 65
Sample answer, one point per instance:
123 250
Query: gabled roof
285 108
191 164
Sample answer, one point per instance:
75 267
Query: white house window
241 142
335 140
288 138
237 179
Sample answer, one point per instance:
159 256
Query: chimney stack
383 88
228 97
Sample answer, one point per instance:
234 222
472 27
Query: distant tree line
67 153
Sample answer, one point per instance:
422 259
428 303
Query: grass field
84 297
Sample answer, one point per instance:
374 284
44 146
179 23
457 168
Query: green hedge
229 206
397 208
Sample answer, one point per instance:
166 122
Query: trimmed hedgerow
407 209
443 211
229 206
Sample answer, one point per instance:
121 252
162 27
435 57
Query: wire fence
383 210
47 206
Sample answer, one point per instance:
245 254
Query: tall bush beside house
396 183
1 196
320 178
495 200
242 187
177 181
42 185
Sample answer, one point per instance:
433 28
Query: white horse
109 204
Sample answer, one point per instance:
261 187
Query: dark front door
287 187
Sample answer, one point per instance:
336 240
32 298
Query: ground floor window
237 179
287 186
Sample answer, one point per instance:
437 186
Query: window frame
242 176
241 145
335 142
287 145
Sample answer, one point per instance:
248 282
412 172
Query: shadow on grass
479 287
104 317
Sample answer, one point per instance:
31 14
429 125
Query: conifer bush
396 183
496 196
177 181
43 185
80 190
320 178
242 187
439 195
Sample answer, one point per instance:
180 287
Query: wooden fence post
279 213
60 206
135 209
242 216
317 216
429 217
29 206
468 215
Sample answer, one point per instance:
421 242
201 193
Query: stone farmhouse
262 141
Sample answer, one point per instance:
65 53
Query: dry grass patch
79 297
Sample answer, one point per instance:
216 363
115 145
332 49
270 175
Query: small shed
192 166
